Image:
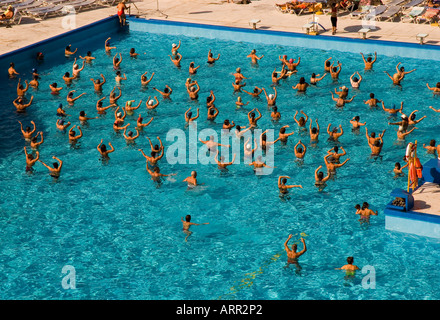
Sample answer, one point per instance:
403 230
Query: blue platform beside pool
418 212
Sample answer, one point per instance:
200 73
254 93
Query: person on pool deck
30 160
11 71
222 165
356 124
372 102
193 91
334 134
392 111
349 267
301 122
275 114
251 117
436 89
255 93
121 7
237 86
76 70
68 51
107 46
282 135
71 100
129 137
335 71
398 169
154 158
284 189
117 61
356 81
340 102
331 166
166 93
27 134
72 134
314 132
211 59
239 103
191 180
8 14
98 84
300 150
188 115
176 59
254 57
271 98
187 224
129 107
320 180
113 99
68 79
292 254
61 126
54 88
369 61
192 68
144 80
150 105
335 155
212 113
88 58
20 105
429 149
56 169
21 90
301 86
315 78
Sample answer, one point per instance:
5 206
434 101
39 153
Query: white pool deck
217 12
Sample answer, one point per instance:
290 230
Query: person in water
254 57
55 170
156 174
435 90
27 134
334 134
355 81
271 98
191 180
349 267
356 124
166 93
97 84
429 149
222 165
284 189
320 180
187 224
20 105
102 148
372 102
292 253
301 122
144 80
300 150
314 131
398 169
211 58
369 61
392 111
11 71
30 160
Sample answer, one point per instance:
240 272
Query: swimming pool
122 233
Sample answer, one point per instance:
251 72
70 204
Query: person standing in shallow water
187 224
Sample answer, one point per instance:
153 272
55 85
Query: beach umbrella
315 2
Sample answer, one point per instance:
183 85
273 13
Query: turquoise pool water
122 233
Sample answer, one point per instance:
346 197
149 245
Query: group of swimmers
289 67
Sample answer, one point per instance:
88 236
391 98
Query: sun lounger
283 8
29 5
8 2
413 3
363 9
44 12
389 14
16 19
83 4
413 14
428 16
395 3
375 12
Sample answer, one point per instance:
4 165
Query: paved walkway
216 12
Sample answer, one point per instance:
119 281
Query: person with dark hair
133 53
369 61
393 111
398 169
56 170
30 160
88 58
349 267
292 254
211 59
372 102
356 124
334 16
436 89
315 78
11 71
68 51
98 84
187 224
166 93
300 150
335 155
301 122
301 86
356 81
431 148
320 180
314 132
282 180
27 134
102 148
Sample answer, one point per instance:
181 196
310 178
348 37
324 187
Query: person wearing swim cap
175 47
61 126
291 64
238 76
129 109
76 70
150 103
271 98
191 180
139 122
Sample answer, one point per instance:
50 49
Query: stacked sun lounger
429 16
